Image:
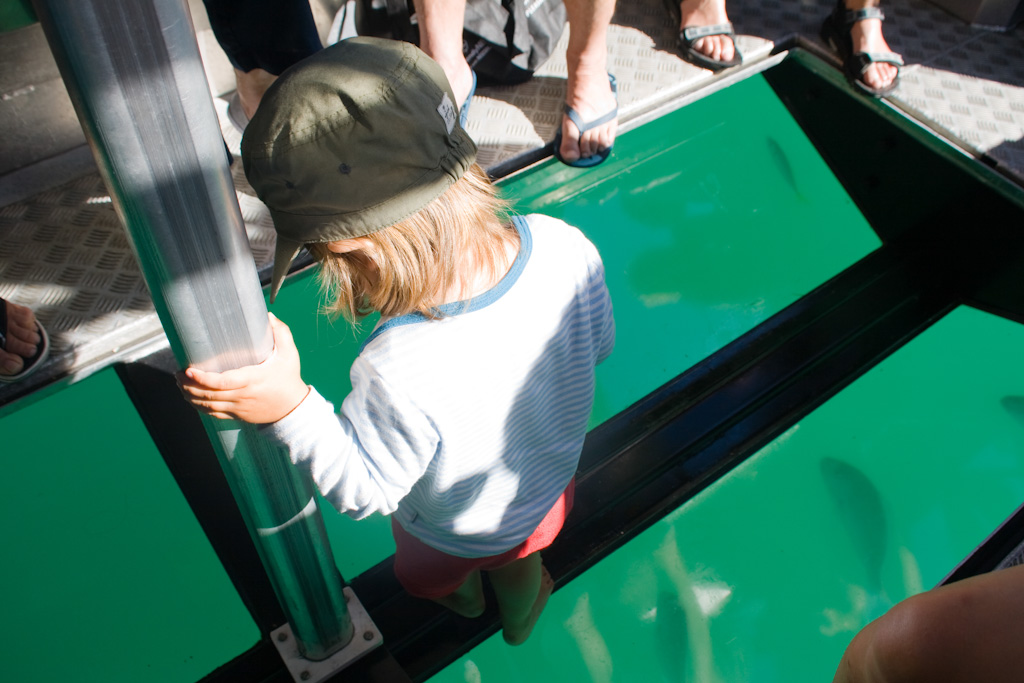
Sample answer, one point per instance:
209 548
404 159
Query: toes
597 140
718 48
593 141
880 76
590 95
570 148
707 47
728 50
723 49
22 342
22 332
10 364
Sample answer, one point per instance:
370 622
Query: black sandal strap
691 34
3 324
852 16
866 59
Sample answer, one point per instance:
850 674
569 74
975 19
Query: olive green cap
352 140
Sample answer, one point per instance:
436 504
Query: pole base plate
365 638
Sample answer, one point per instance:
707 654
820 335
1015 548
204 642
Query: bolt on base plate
366 636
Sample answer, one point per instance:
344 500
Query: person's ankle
854 5
703 11
459 74
867 32
250 86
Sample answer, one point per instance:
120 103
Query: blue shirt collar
478 302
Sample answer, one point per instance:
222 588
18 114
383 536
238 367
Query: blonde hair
421 257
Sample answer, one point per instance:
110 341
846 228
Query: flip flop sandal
464 110
691 34
31 364
583 127
835 31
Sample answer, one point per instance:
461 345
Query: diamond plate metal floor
63 253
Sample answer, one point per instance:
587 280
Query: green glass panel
327 349
15 14
709 220
106 574
769 573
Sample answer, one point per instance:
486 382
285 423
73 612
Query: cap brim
284 253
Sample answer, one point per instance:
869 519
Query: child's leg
522 589
468 599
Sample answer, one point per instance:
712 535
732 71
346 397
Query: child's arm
601 303
368 457
604 301
363 461
258 394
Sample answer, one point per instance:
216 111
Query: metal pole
134 74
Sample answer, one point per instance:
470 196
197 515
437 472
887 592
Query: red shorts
429 573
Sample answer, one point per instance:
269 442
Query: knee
917 639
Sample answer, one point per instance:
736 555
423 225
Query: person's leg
428 573
250 86
468 599
867 37
694 13
522 589
960 633
588 90
440 23
261 39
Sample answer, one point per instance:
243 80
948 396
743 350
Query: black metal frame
670 445
1002 543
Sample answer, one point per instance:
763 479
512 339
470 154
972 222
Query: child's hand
258 394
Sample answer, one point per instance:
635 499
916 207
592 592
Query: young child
470 398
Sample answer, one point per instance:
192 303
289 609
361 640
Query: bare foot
23 338
708 13
867 37
516 634
590 94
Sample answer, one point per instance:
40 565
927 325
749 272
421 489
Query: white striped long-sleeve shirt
469 427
